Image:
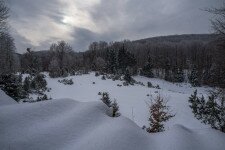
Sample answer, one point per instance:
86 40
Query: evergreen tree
125 59
211 111
167 70
12 85
147 69
194 100
111 61
193 77
39 83
122 63
159 113
178 74
26 84
127 77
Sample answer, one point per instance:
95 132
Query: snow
5 99
132 99
76 119
67 124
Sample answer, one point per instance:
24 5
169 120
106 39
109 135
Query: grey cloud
112 19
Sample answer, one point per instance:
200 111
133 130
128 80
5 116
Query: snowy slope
5 99
132 99
71 125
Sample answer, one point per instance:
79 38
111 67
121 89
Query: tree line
192 58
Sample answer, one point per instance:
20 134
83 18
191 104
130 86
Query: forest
197 59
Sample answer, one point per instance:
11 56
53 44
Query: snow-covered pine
193 77
115 109
106 99
210 111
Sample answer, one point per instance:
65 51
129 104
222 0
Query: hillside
180 38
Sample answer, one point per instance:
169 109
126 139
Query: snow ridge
72 125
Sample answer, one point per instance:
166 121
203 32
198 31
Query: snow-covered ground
132 99
5 99
67 124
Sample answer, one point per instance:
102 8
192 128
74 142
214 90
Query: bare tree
4 14
7 54
218 24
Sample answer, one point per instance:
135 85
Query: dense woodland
191 58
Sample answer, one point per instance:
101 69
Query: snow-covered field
67 124
132 99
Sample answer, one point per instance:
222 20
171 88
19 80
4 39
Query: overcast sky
38 23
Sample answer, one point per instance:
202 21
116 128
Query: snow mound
5 99
72 125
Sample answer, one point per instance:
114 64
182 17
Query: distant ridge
180 38
168 38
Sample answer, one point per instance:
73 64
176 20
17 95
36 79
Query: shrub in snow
115 109
157 87
72 73
64 73
140 83
144 127
105 99
150 85
38 99
159 114
99 93
93 82
12 85
103 77
119 85
210 111
97 74
42 98
66 81
108 76
116 77
125 83
39 83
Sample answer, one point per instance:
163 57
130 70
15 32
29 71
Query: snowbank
131 99
5 99
71 125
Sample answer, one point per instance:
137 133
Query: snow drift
71 125
5 99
